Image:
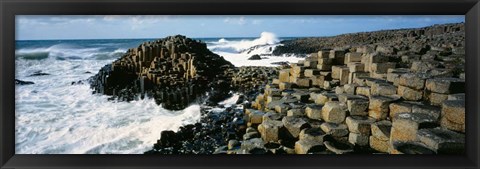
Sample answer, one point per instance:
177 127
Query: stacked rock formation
249 78
377 98
394 37
175 71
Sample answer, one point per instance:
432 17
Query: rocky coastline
384 92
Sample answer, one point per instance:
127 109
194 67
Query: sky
45 27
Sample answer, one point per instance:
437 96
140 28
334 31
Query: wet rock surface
396 92
21 82
176 71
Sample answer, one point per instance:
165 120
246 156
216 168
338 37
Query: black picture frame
10 8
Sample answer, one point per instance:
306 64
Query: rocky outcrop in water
21 82
175 71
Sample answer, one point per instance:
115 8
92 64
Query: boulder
255 117
349 88
381 130
357 107
311 72
363 90
271 130
400 107
393 75
314 112
272 116
434 111
442 141
409 93
359 124
457 96
233 144
284 75
282 108
410 148
379 145
435 99
383 89
339 147
308 146
335 130
294 125
356 67
315 134
353 57
379 106
454 110
406 125
296 112
453 115
334 112
303 82
325 97
381 67
358 139
413 80
253 146
255 57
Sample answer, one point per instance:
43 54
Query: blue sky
32 27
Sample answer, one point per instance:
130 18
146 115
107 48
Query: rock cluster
360 100
253 78
210 135
396 92
175 71
388 37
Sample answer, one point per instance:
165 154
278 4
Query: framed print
253 84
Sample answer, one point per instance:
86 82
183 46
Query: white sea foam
266 38
67 52
55 117
238 52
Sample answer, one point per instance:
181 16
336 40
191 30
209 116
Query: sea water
53 116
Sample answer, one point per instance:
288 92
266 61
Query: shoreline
316 106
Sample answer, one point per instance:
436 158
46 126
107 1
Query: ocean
54 116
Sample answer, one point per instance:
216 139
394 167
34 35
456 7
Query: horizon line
314 36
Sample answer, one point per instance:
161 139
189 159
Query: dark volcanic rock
214 130
20 82
175 71
39 73
255 57
391 38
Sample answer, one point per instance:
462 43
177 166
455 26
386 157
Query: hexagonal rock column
314 112
380 138
357 107
442 141
413 80
359 127
406 125
334 112
379 106
315 134
308 146
294 125
359 124
453 115
339 147
270 130
335 130
410 148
